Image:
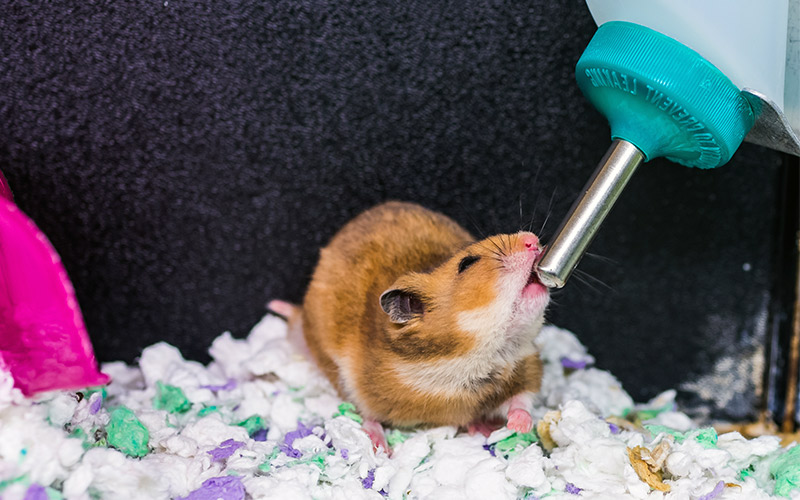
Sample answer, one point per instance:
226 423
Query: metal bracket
772 128
777 127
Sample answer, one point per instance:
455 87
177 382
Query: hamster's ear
401 305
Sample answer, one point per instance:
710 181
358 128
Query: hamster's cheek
474 292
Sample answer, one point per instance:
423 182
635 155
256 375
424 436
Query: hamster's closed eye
466 262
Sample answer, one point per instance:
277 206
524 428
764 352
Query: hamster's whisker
472 221
496 246
582 287
549 210
583 275
488 249
529 227
538 191
495 255
501 246
506 241
602 258
535 198
498 256
541 230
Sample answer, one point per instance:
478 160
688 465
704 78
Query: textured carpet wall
189 158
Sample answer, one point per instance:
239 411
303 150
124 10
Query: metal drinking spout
577 230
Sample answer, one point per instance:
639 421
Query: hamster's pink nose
531 244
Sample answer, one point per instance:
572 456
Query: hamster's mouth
533 287
533 277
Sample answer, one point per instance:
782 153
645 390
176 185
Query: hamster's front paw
519 420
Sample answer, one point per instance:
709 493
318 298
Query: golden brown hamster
416 323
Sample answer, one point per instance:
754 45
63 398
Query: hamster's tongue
533 286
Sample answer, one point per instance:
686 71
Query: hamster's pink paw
483 427
375 432
519 420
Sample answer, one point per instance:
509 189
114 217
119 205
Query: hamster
418 324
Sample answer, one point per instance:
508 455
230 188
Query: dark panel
188 159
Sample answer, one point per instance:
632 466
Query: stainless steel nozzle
578 228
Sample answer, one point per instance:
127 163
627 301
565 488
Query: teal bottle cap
662 96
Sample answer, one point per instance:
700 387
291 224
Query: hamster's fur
416 323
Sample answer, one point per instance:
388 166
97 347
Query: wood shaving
543 429
656 457
642 468
761 427
625 424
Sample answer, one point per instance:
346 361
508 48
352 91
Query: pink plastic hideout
43 340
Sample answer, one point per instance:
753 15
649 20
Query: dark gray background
189 158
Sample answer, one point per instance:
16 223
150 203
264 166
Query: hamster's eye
466 262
